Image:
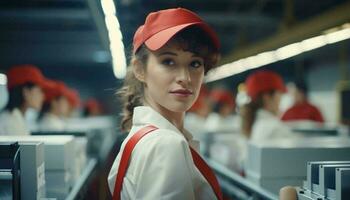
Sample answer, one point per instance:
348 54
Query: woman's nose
183 76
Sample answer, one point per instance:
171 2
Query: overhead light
313 43
108 7
3 79
288 51
329 36
338 36
115 39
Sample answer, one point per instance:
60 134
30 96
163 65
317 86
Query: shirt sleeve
163 169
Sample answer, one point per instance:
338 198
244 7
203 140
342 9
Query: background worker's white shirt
267 126
13 123
196 125
161 165
51 122
218 124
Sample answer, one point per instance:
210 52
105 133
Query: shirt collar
145 115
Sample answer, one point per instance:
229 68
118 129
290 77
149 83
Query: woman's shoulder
161 139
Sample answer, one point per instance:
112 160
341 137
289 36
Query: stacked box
276 163
59 158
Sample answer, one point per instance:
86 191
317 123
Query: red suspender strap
124 161
207 172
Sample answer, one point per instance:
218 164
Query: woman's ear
138 70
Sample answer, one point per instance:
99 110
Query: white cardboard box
32 170
288 158
59 150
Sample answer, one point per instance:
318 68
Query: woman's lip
181 93
188 92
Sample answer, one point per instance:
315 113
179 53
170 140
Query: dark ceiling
67 39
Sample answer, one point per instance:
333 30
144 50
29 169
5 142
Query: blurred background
68 40
87 45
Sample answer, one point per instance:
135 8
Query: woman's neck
55 111
176 118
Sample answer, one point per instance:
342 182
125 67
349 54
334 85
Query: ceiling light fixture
329 36
115 38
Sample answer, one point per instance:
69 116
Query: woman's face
63 106
272 102
172 78
33 97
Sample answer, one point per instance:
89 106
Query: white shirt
13 123
161 165
217 124
51 122
267 126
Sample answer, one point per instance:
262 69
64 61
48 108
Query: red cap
93 106
73 97
56 89
161 26
222 96
263 81
201 100
21 74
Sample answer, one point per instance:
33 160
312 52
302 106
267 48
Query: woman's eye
168 62
196 64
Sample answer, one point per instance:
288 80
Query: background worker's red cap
22 74
56 89
73 98
93 106
222 96
201 100
161 26
263 81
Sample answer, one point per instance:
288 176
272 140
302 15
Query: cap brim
159 39
283 89
46 84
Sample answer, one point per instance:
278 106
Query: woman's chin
179 108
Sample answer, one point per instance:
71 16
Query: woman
92 108
25 84
171 53
260 117
223 119
302 110
55 109
197 115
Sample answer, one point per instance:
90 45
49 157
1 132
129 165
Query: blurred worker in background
74 102
302 110
92 108
223 118
172 52
55 108
196 117
260 116
25 86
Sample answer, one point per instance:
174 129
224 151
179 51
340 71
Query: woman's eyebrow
196 55
167 53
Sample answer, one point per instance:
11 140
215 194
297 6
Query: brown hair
248 113
192 39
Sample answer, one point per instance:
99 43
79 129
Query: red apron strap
207 172
124 161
